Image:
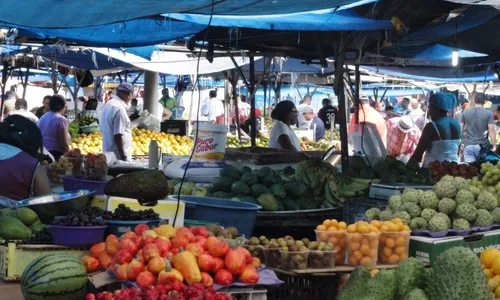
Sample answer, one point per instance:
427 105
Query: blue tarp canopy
70 14
324 20
290 65
133 33
435 75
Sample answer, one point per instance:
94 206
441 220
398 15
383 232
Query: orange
376 223
397 221
363 229
323 237
387 252
373 253
342 225
335 223
321 227
401 241
353 261
497 292
488 273
351 228
357 254
342 243
393 259
333 240
373 229
384 227
365 261
355 238
354 246
373 271
406 228
400 250
403 257
326 222
393 227
401 227
365 250
374 244
390 243
487 257
495 266
332 228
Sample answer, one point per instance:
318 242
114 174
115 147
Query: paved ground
10 291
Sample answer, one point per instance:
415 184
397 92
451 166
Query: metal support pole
253 119
151 92
25 82
4 83
339 89
357 79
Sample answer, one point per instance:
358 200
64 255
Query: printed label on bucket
211 142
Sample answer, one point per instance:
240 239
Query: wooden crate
15 257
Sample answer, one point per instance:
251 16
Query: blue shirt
320 128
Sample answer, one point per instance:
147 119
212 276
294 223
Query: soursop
395 202
409 276
438 223
495 214
429 200
445 189
457 275
466 211
382 286
404 216
461 224
355 287
386 215
428 213
418 223
412 208
464 196
486 200
416 294
446 205
483 218
411 195
372 213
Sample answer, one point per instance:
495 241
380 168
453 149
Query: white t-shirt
301 120
27 114
280 128
212 108
113 120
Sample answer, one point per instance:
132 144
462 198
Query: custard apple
438 223
474 190
428 213
411 195
404 216
495 214
372 213
445 217
461 224
446 205
395 203
418 223
466 211
445 189
412 208
447 178
483 218
386 215
464 196
486 200
460 183
429 200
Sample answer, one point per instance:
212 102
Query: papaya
245 169
26 215
278 190
240 187
270 180
222 183
37 227
7 212
249 199
264 171
268 202
249 178
259 189
230 172
222 195
290 205
13 229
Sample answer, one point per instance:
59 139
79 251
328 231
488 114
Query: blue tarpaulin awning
435 75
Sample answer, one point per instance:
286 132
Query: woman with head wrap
21 175
441 137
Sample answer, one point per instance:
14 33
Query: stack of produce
456 275
175 291
169 143
146 186
332 231
19 224
233 142
58 169
165 255
490 260
321 145
452 204
87 120
441 169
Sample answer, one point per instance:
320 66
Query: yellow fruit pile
332 231
362 244
393 242
169 143
490 260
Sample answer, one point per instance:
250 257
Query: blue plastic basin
221 211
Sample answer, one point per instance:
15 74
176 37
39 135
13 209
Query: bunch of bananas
342 187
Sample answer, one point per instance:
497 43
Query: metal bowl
59 204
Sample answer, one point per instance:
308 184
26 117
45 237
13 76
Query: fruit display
165 255
75 157
452 204
186 188
322 145
79 220
322 259
169 143
233 142
18 224
394 241
54 277
295 260
124 213
57 169
490 260
332 231
336 135
96 167
40 237
456 275
87 120
175 291
362 244
441 169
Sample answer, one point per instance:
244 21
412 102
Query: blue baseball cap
444 101
126 87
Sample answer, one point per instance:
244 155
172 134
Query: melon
54 277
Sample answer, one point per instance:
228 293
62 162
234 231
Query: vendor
54 127
21 175
282 135
90 108
314 123
168 104
441 137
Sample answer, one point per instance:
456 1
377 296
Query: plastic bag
146 120
486 155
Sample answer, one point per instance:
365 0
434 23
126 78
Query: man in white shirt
213 108
302 122
115 124
415 111
243 111
21 108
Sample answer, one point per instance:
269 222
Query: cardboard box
427 249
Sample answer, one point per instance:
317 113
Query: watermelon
54 277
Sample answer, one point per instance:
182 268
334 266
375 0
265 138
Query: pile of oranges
334 232
490 260
394 242
362 244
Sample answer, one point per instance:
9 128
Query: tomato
146 239
97 249
246 253
200 231
202 241
90 263
223 277
219 249
195 248
104 260
249 275
181 240
128 235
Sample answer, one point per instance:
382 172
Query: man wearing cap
415 111
405 107
402 137
301 122
315 123
115 123
368 114
477 122
441 137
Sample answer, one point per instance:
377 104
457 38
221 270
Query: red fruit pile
441 169
174 291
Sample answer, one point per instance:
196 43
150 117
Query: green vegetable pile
456 275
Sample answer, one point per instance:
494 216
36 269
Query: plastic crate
354 210
15 258
224 212
71 183
177 127
246 293
304 287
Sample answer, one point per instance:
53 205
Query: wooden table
10 290
323 272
